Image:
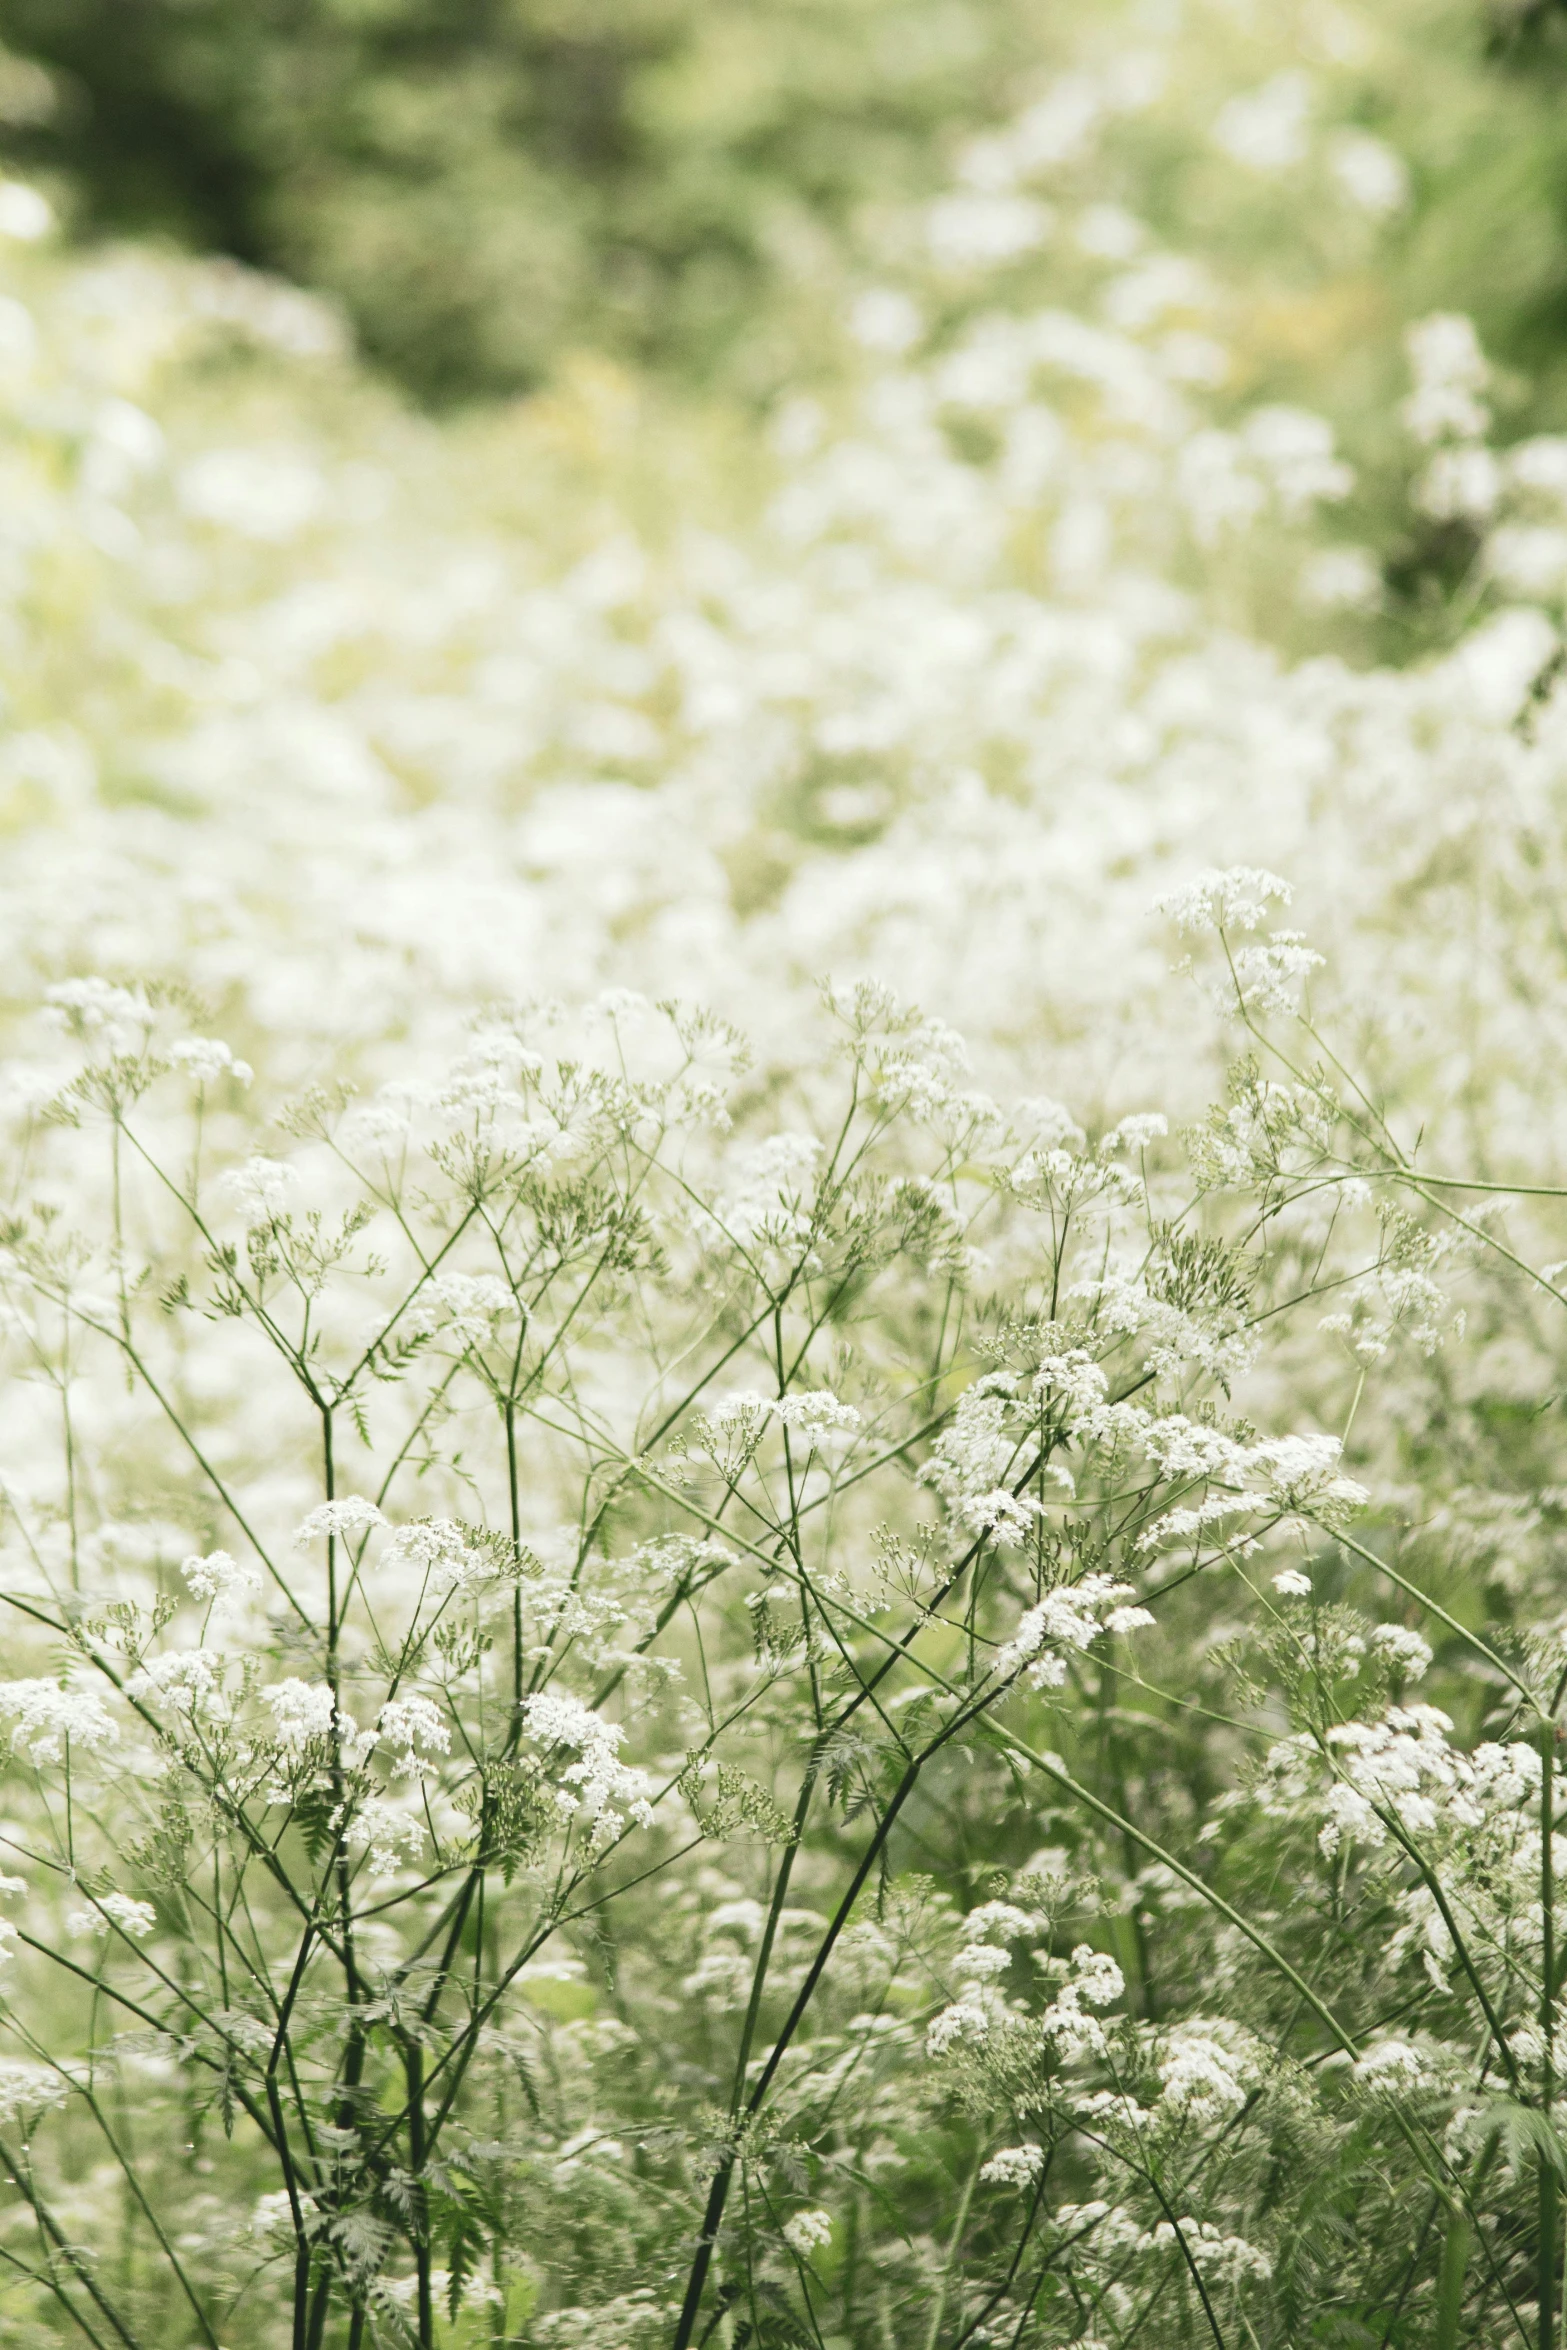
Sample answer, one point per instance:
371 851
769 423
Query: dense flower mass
757 1592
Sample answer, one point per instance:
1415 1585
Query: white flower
1070 1617
411 1723
1403 1649
334 1519
389 1830
1390 2064
29 2089
816 1413
272 2216
1099 1980
968 2018
25 215
45 1717
261 1189
1290 1583
301 1710
1013 2166
218 1577
1135 1133
806 2231
1200 2077
135 1918
1267 129
1371 174
1460 484
439 1548
1233 899
187 1680
1449 368
600 1782
982 1963
971 229
205 1059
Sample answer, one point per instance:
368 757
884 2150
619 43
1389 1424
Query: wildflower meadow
783 1258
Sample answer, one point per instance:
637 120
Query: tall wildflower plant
651 1703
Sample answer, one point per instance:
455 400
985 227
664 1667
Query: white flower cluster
218 1577
1229 2260
338 1521
1013 2166
1406 1765
1073 1616
45 1719
439 1551
605 1790
806 2231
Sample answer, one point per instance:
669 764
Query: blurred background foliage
488 186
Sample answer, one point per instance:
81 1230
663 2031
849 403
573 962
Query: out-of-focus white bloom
1391 2064
44 1718
1460 484
1529 558
1539 466
135 1918
259 492
392 1833
101 1012
29 2089
334 1520
967 230
1295 450
273 2215
206 1059
806 2231
261 1189
1013 2166
884 320
1136 1133
1234 899
1371 173
1267 129
1290 1583
25 215
1450 371
1341 579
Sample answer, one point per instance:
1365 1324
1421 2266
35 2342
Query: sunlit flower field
784 1255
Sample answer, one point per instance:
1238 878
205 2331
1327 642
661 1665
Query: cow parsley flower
806 2231
336 1519
218 1577
205 1060
1403 1649
414 1724
45 1717
606 1790
816 1413
261 1189
1013 2166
